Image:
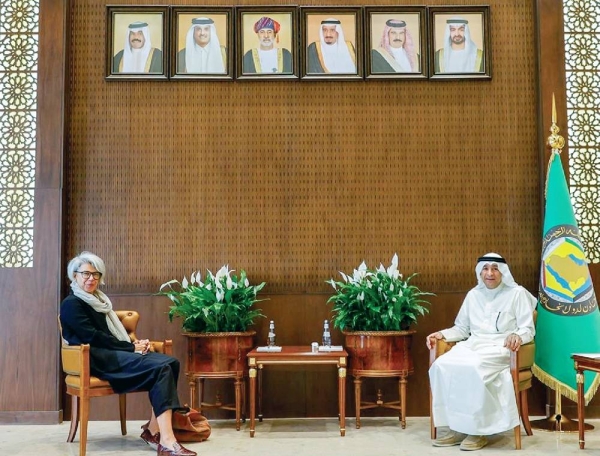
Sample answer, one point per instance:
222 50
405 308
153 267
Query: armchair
520 370
82 386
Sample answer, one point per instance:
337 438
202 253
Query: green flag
568 319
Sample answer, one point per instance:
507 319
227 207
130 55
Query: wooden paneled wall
294 181
29 357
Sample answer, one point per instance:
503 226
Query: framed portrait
201 42
136 42
331 42
459 42
396 42
267 42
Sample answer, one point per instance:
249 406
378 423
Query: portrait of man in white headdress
203 52
397 51
138 55
459 51
332 53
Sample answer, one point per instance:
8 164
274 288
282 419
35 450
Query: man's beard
458 39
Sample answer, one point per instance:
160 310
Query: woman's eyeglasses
87 274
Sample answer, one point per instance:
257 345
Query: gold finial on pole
555 141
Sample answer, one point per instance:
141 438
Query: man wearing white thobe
332 53
138 55
460 54
203 53
471 385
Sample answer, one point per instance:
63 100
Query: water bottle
326 335
271 336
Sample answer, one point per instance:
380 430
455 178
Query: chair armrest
71 359
526 356
441 347
523 358
76 361
162 346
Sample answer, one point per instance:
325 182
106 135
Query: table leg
342 399
238 402
200 393
580 408
244 403
252 375
260 393
357 396
403 402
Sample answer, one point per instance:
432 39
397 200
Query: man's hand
513 342
431 338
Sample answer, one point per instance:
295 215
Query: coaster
332 348
273 348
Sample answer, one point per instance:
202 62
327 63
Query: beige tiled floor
286 437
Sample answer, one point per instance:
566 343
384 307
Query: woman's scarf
100 303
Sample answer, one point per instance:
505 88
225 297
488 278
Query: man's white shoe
473 442
451 438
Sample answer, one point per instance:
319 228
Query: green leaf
200 311
388 304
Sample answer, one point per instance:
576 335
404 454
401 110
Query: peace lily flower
376 299
221 303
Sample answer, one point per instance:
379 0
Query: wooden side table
296 355
583 363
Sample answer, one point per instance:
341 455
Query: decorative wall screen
19 36
582 54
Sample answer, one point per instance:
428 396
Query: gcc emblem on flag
566 286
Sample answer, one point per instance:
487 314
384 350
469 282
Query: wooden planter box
386 351
218 352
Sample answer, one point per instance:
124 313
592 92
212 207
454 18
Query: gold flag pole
557 422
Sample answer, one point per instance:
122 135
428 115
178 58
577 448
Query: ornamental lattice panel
582 54
19 35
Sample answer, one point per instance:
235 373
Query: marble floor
287 437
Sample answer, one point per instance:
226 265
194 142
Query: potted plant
374 309
223 302
216 313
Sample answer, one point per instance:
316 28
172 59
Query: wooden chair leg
123 413
357 395
525 412
84 410
74 418
433 430
518 437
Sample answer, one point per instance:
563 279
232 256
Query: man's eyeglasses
86 275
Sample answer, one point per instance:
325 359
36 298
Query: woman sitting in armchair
87 317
